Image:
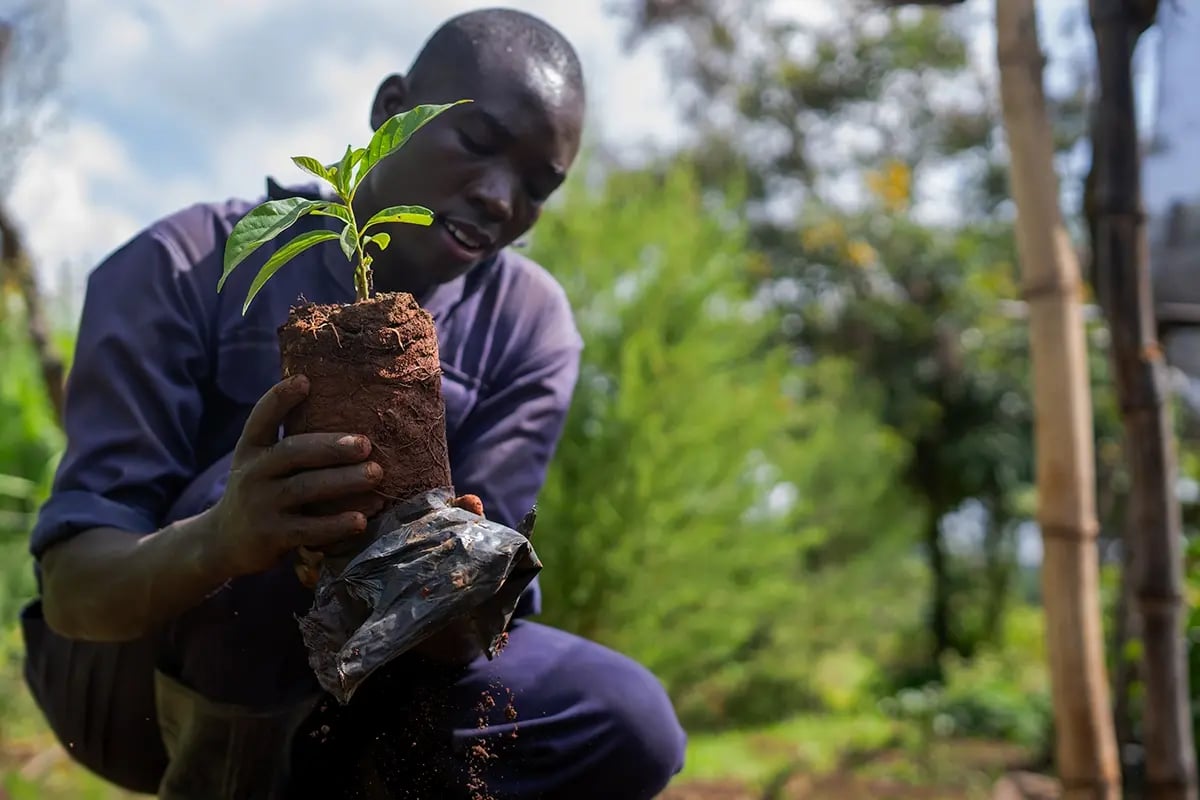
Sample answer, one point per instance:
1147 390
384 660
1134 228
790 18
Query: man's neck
391 278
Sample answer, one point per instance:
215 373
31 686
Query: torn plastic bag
428 564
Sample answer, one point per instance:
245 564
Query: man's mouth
467 236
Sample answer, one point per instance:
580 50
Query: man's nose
493 194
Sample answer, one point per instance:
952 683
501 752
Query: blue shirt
166 371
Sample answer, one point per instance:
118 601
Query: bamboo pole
1086 753
1123 280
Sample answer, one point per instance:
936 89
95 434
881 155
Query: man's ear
390 99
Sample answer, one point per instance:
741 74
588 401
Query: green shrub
712 499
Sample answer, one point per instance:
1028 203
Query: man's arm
135 399
133 409
105 584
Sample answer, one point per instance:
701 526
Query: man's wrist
208 558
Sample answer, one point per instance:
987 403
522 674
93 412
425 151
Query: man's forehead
510 71
520 88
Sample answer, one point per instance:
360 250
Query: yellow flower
861 254
892 185
826 234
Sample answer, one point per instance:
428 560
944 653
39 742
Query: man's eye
539 187
470 144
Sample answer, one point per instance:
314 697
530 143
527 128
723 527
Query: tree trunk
15 262
1126 629
1122 271
1000 570
939 605
1085 746
941 625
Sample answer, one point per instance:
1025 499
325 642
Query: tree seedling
273 217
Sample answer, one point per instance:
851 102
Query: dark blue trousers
553 716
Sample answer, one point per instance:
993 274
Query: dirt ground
953 770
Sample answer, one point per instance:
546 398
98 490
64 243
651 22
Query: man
168 600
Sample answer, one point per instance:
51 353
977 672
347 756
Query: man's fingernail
356 443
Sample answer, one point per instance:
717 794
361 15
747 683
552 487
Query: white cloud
54 199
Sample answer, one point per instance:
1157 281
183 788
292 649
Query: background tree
31 49
849 133
690 530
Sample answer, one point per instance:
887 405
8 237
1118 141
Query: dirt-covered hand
274 485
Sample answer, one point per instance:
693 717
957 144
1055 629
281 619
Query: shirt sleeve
134 393
506 443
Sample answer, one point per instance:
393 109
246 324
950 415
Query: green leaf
314 167
17 487
336 210
411 215
381 240
283 255
349 241
345 169
260 226
393 133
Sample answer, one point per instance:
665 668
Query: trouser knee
98 699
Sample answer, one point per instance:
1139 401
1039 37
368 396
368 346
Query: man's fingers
308 577
309 557
333 483
262 426
469 502
318 532
308 566
312 451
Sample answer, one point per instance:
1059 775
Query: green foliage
273 217
30 441
1000 693
705 482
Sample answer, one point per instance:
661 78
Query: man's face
484 168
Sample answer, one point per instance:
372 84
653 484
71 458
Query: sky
146 121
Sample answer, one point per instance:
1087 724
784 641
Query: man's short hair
482 36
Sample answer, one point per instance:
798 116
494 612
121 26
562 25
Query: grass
841 756
757 756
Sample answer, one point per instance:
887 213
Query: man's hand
266 511
308 562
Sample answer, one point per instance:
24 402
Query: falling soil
480 754
374 370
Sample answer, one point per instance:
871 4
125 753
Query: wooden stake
1123 283
1086 753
